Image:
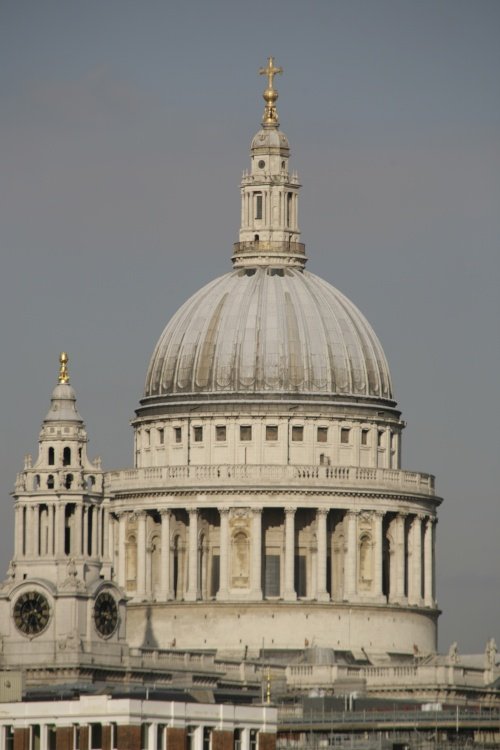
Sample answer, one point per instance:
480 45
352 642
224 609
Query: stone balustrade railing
171 478
306 675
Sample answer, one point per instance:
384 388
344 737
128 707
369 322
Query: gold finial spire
270 118
63 368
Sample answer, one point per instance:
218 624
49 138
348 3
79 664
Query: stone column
429 563
223 592
79 530
378 551
50 529
192 590
105 533
322 594
290 593
32 531
400 554
122 550
387 447
95 530
111 538
256 574
59 530
165 590
351 556
415 578
140 592
19 532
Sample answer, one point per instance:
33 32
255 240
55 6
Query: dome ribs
269 330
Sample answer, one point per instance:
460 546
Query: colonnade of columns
287 205
400 549
41 530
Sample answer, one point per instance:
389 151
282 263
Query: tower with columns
59 590
267 507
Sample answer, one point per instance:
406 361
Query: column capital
290 510
165 513
378 513
224 511
137 515
322 512
193 511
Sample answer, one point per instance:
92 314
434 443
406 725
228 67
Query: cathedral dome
269 330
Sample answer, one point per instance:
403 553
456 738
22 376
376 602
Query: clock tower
59 593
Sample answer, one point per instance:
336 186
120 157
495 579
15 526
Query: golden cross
270 72
63 368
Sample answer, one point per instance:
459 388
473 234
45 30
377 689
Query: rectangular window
95 736
178 434
215 575
364 437
345 435
147 438
145 736
322 434
380 439
258 205
271 432
198 434
300 575
220 433
288 209
271 575
161 436
297 433
35 737
245 432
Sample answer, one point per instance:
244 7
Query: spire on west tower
269 232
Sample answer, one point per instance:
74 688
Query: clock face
105 614
31 613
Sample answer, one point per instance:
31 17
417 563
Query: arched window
36 482
90 482
68 481
51 456
50 482
67 456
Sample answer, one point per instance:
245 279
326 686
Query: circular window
31 613
262 164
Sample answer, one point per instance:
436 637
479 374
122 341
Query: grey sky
124 128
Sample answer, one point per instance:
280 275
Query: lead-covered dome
269 330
